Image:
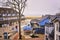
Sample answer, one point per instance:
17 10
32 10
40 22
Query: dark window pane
0 25
59 26
59 37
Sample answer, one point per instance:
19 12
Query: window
11 11
59 27
13 14
9 14
4 25
4 14
59 37
10 24
0 15
1 18
52 25
17 14
0 25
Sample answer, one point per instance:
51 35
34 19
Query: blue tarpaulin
42 22
27 28
40 31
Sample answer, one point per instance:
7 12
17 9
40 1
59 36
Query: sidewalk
16 36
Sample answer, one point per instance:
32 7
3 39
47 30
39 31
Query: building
54 35
46 23
8 19
57 28
49 27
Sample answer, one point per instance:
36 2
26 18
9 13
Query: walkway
16 36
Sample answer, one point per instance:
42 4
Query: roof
48 16
56 19
46 19
42 23
5 7
52 17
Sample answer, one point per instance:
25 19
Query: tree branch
23 10
11 3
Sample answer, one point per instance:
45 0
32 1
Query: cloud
42 7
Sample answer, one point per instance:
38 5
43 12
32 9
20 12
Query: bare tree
18 5
14 4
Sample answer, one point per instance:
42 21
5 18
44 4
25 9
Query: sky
42 7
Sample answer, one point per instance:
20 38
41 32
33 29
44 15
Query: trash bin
5 35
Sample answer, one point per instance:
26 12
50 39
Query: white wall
56 31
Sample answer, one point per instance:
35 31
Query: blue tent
27 28
42 22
